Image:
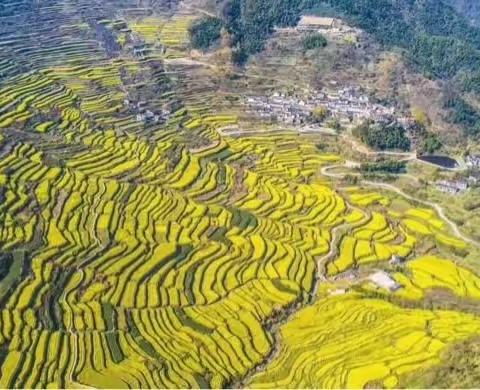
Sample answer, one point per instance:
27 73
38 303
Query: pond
441 161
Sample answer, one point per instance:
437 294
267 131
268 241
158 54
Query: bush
314 41
471 203
239 56
420 117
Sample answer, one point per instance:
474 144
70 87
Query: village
347 105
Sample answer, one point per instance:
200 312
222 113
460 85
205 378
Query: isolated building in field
140 49
384 280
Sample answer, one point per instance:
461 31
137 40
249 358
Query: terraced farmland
360 342
164 253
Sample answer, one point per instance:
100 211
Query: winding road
441 213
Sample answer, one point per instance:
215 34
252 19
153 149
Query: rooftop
311 20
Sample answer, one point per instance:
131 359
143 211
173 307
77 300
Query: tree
239 56
335 124
420 117
319 114
430 144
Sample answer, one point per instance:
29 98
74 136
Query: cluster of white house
456 186
383 280
452 187
347 104
472 161
145 115
459 186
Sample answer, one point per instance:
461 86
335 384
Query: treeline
388 166
381 136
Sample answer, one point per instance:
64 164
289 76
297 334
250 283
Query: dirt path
320 275
185 5
361 148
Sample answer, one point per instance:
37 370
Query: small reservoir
441 161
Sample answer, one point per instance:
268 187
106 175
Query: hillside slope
468 8
433 37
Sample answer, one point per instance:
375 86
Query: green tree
319 114
431 144
420 117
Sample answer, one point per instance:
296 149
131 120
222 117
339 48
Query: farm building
384 280
312 23
452 187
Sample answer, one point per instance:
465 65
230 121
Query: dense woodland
468 8
428 28
383 136
205 32
465 115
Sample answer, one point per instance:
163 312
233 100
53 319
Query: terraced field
351 342
163 253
